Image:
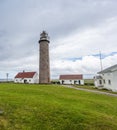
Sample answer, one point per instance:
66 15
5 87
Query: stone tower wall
44 66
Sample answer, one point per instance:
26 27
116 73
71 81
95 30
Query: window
104 81
100 81
109 81
29 80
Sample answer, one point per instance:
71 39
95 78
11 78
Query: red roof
25 75
70 77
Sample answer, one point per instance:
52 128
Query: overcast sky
78 30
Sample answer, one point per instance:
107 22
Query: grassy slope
89 81
49 107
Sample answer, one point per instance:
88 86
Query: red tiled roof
70 77
25 75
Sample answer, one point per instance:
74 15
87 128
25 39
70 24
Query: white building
98 81
108 78
26 77
71 79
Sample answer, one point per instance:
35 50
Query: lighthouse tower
44 66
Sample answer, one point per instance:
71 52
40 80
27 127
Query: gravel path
94 91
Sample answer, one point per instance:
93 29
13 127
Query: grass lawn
89 81
52 107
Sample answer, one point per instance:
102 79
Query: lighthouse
44 66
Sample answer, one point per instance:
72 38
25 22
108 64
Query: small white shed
71 79
26 77
98 81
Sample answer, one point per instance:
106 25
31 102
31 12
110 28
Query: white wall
25 80
81 82
36 78
112 76
113 79
97 82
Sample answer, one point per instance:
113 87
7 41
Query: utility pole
7 75
100 60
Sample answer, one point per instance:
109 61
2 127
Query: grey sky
77 28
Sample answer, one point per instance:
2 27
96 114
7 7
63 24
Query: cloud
88 65
89 41
78 30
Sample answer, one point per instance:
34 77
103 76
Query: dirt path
94 91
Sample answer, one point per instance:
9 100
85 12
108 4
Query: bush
89 84
55 82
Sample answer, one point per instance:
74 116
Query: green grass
89 82
52 107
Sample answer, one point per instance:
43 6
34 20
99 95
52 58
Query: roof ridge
107 69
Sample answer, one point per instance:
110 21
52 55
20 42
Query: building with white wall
26 77
71 79
98 81
108 78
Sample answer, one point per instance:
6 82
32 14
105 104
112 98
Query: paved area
94 91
